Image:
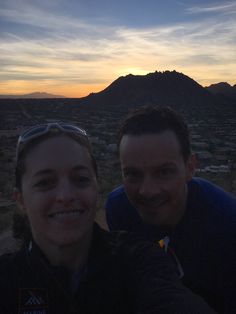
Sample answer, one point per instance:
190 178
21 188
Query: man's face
155 175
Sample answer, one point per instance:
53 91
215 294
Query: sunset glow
72 51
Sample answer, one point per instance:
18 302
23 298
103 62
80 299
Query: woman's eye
82 180
45 183
166 172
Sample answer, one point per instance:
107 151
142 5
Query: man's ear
191 166
18 198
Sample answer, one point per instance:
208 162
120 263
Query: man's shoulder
214 204
117 196
208 191
118 192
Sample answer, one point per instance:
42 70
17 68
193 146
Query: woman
67 263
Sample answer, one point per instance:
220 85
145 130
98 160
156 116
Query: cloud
33 20
228 7
53 47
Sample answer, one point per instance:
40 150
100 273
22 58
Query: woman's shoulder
10 264
7 259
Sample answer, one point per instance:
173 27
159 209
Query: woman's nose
65 192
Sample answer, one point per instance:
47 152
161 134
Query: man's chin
156 217
156 222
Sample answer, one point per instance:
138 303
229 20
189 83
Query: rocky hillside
168 88
223 89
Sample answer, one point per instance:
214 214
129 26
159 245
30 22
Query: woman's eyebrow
51 171
43 172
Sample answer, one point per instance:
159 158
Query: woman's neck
72 256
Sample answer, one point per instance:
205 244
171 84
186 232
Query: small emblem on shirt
33 301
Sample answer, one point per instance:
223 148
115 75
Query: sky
74 48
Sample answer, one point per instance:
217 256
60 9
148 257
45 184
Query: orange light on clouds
70 55
75 91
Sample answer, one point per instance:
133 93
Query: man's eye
131 175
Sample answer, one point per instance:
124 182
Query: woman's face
59 192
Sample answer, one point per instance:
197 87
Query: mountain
35 95
165 88
223 89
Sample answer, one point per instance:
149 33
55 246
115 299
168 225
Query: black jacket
122 276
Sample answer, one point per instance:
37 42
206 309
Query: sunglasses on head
42 129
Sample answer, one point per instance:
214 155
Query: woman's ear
191 166
18 198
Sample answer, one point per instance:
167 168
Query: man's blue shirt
204 240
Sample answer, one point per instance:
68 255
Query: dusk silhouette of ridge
34 95
168 87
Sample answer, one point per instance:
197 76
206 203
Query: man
161 197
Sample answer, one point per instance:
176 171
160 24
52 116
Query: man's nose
149 188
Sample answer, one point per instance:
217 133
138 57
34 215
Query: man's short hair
155 120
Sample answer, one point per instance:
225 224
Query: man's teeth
71 213
154 203
160 202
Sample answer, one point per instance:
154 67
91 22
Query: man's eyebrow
165 164
80 167
130 168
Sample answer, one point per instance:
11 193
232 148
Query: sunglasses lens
30 133
72 128
40 130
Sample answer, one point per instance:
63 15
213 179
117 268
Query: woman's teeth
67 213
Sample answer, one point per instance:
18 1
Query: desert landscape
211 116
